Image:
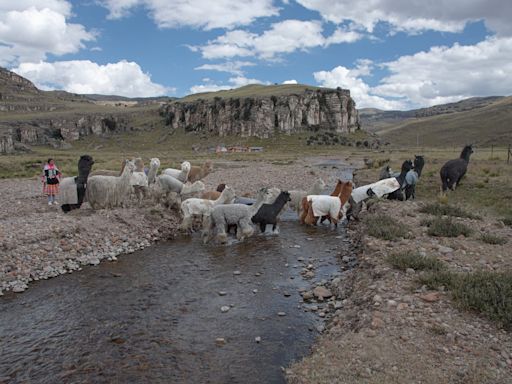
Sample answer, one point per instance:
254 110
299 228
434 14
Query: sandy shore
38 241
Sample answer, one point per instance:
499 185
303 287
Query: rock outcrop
263 117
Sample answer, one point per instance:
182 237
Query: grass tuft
415 261
446 227
489 293
493 239
446 210
507 221
385 227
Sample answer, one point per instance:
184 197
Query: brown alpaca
214 195
344 195
308 217
336 192
197 173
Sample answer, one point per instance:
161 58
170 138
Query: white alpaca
296 196
203 207
110 191
234 214
154 164
171 191
181 175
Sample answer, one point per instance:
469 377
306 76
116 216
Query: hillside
374 120
489 124
29 116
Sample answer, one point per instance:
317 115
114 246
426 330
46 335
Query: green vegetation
489 293
385 227
413 260
253 90
446 227
446 210
493 239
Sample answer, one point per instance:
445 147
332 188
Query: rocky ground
38 241
390 329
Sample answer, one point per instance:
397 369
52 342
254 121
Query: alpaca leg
186 223
263 226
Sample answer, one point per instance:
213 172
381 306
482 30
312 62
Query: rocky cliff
59 132
328 109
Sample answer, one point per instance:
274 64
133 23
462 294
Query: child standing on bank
51 179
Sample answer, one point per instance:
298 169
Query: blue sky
391 54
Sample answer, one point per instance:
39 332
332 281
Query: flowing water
155 315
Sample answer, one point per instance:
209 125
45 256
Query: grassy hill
375 120
253 90
490 124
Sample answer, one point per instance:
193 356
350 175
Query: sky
391 54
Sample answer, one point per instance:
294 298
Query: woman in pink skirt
51 179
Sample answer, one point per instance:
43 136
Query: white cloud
283 37
31 29
447 74
204 14
440 75
233 67
415 16
290 82
361 92
83 76
234 82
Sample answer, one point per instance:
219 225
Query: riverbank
38 241
395 326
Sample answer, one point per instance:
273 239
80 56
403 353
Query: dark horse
84 168
399 194
453 170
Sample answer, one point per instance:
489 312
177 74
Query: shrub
446 227
507 221
493 239
487 292
385 227
415 261
446 210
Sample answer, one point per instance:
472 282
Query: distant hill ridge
479 120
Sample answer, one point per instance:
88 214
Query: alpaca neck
152 173
280 202
315 189
83 175
465 155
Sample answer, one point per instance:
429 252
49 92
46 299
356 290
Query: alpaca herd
222 210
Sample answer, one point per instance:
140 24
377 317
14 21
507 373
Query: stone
257 339
444 249
410 271
430 297
224 308
220 341
402 306
308 295
377 322
322 292
281 313
236 273
222 293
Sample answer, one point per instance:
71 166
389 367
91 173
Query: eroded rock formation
265 116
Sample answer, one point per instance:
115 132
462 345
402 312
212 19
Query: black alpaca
267 214
398 194
412 177
452 172
84 168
